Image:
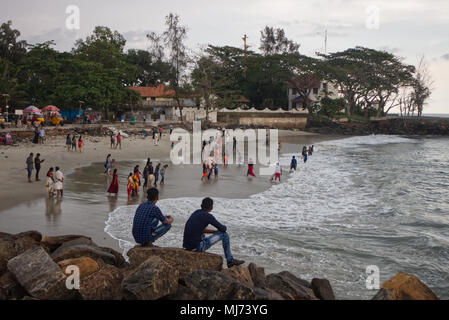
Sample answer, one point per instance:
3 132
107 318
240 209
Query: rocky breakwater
44 268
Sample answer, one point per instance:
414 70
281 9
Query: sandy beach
85 206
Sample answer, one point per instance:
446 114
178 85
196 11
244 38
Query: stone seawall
278 121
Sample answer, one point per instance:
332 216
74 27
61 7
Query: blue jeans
208 242
158 231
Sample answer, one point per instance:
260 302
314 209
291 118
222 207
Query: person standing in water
113 188
130 186
80 144
59 180
68 142
162 172
149 223
37 165
278 172
204 176
305 157
293 164
50 182
145 176
74 143
29 163
150 174
156 174
250 168
216 171
108 165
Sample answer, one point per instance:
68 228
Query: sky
407 28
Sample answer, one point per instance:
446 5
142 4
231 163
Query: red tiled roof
154 92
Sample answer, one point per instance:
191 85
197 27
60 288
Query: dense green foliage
98 71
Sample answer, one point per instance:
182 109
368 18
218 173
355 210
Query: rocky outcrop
55 242
322 289
214 285
41 277
83 250
405 287
10 288
257 275
182 260
105 284
151 280
240 274
290 287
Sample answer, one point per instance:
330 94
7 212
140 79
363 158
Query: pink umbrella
31 109
50 108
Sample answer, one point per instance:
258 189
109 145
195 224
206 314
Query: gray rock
182 260
82 250
10 288
214 285
55 242
41 277
257 275
151 280
267 294
120 260
322 289
35 235
289 286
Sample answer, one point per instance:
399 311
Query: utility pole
245 47
325 41
6 96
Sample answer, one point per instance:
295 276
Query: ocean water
361 201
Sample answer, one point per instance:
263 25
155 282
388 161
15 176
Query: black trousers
38 168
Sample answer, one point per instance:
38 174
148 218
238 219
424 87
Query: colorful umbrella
31 109
50 108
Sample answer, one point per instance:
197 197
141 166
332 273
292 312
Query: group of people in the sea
149 224
150 177
72 143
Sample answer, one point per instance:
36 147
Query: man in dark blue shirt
293 164
195 228
146 220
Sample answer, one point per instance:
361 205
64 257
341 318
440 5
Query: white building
319 89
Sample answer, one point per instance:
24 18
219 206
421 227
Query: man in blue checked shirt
146 227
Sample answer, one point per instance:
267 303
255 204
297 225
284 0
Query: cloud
446 56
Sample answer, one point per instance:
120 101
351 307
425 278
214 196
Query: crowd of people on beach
55 178
72 143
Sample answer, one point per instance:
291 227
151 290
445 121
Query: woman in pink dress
113 188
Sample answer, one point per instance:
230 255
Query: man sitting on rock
146 220
195 229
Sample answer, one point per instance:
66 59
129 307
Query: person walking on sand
80 144
113 188
68 142
37 165
30 168
119 140
293 164
162 173
41 135
59 180
149 223
50 182
195 231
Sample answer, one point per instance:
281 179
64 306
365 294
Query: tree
274 41
421 85
174 37
150 70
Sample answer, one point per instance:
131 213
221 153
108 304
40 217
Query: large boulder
241 274
55 242
8 247
35 235
322 289
10 288
214 285
71 251
267 294
289 286
120 261
405 287
104 284
257 275
86 266
151 280
13 245
182 260
41 277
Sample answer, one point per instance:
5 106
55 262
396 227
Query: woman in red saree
113 188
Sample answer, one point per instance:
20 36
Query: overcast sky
408 28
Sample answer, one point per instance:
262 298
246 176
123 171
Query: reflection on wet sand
53 209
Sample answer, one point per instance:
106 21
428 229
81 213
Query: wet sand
85 205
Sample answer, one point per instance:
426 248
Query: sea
358 202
